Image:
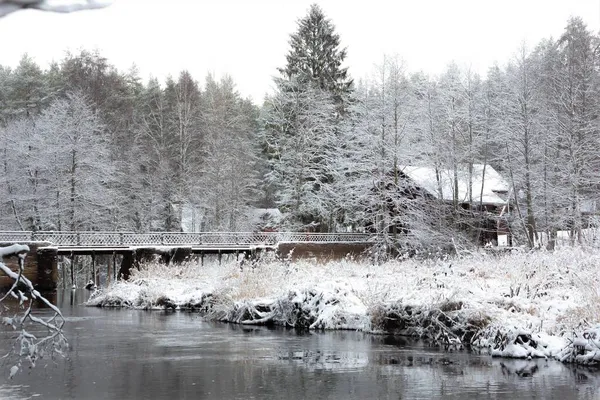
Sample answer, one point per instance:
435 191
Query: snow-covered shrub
523 304
513 342
446 323
583 348
321 307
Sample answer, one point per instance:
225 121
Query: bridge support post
47 263
73 271
126 264
64 274
180 254
40 267
114 263
109 269
94 268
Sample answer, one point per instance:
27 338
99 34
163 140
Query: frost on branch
60 6
36 337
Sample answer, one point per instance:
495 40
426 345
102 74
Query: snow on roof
425 177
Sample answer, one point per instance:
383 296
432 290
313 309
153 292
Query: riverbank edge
446 324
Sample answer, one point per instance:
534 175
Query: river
129 354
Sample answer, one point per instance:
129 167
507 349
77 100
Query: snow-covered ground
536 304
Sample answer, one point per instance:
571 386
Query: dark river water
127 354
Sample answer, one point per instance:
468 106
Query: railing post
78 239
162 238
121 238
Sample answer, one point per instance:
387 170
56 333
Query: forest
87 147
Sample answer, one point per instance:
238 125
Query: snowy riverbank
536 304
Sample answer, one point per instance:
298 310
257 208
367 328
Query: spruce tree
302 124
316 57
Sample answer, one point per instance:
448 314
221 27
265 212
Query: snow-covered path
536 304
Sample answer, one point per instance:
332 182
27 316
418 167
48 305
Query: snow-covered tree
552 192
315 56
183 121
28 90
302 124
24 161
523 140
226 187
300 132
78 164
151 169
578 95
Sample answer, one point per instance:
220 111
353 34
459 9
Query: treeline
88 147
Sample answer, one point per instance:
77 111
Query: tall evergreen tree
316 57
29 92
304 118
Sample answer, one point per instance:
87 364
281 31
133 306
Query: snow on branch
60 6
28 346
15 249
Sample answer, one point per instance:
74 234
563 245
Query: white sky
248 39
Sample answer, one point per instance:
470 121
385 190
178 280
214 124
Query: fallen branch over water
28 346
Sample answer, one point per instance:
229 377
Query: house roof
493 184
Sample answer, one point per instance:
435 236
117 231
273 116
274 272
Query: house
482 193
487 186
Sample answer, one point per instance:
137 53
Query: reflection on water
126 354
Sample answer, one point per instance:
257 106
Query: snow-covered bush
321 307
583 347
523 304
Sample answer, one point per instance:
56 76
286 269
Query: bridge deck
198 240
90 250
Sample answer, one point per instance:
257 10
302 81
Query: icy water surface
126 354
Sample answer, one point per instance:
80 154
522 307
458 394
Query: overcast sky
248 39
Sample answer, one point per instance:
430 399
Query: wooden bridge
171 247
205 240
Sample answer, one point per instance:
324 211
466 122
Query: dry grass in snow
519 305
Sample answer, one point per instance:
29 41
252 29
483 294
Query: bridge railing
66 238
